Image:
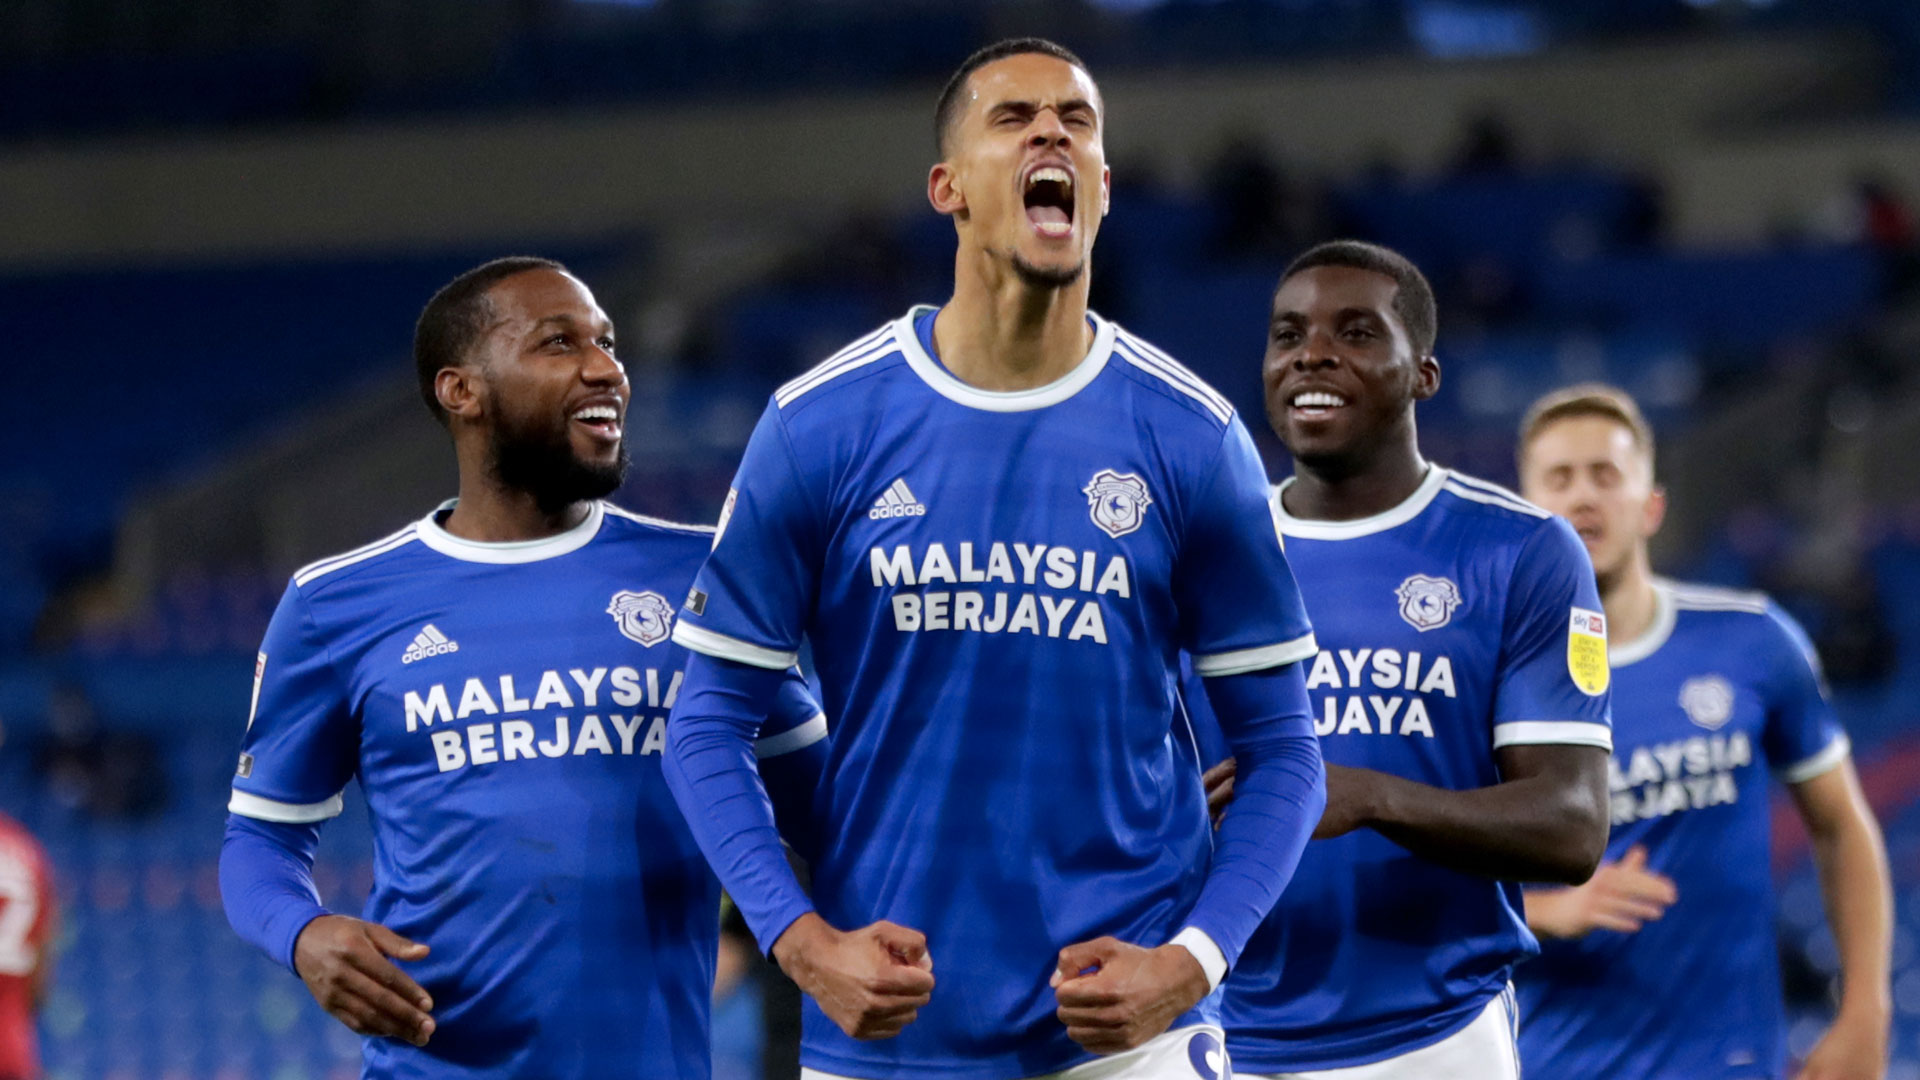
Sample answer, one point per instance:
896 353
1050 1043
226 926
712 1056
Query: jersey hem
1552 732
1250 1060
1829 758
260 808
712 643
1259 658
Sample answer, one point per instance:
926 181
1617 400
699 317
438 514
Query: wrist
797 940
1866 1010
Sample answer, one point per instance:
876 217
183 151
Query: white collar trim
509 551
1665 614
1313 529
942 381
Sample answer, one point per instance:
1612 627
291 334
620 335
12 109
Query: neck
1357 486
489 512
1000 333
1627 596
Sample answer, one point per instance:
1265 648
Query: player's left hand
1349 797
1850 1050
1115 996
1219 784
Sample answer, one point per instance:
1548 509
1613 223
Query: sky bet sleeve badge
1587 652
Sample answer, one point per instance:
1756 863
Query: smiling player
999 522
1460 695
1665 967
498 676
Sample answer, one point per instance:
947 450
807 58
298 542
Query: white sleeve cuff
247 804
1826 760
1552 733
1259 658
792 739
1212 960
712 643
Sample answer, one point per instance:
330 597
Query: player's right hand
871 981
344 962
1621 896
1219 784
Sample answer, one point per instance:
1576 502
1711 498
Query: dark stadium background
218 220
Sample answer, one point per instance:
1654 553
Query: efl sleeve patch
1587 652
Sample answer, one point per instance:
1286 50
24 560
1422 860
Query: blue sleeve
750 600
302 742
266 883
710 769
791 749
1552 685
1803 737
1280 790
1240 609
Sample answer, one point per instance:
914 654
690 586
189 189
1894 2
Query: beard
1047 277
540 461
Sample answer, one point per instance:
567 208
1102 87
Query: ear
1426 377
943 190
461 391
1655 513
1106 190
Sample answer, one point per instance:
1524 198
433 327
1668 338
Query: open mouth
602 420
1316 404
1049 201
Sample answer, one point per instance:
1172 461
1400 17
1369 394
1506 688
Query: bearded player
498 675
1663 967
999 521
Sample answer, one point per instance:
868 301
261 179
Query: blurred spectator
109 774
1487 148
26 936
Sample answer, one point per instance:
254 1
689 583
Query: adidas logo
428 642
896 502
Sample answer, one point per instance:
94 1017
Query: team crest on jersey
1427 603
1708 701
1117 502
646 617
1587 652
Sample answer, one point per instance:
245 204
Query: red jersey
26 927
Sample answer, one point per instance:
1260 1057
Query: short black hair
1412 300
949 104
457 317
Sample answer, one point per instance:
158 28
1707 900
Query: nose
1315 351
601 368
1047 130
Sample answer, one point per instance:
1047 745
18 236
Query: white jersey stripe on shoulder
1223 414
1148 352
311 571
859 345
662 522
1492 489
1516 505
1151 351
832 369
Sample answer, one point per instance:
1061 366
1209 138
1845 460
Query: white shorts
1483 1050
1196 1052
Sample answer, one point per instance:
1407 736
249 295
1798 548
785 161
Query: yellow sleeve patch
1587 652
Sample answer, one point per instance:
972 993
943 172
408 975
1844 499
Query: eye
605 343
1286 336
556 339
1359 333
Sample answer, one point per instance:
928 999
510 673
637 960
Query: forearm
1532 829
1279 793
711 770
1854 883
266 883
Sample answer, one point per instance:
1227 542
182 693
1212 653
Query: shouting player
1460 694
1711 690
26 946
498 675
999 522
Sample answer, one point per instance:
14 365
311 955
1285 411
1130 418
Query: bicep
1831 801
1571 768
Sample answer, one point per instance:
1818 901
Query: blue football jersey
1720 691
1463 620
997 588
504 707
